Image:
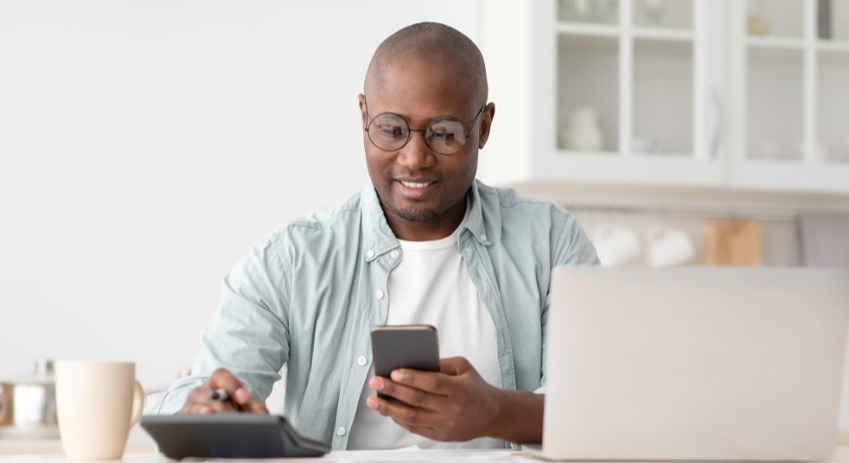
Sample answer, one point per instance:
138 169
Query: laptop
694 363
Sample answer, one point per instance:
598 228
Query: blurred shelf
830 45
596 30
681 35
775 43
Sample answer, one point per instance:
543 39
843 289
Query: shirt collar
378 237
475 222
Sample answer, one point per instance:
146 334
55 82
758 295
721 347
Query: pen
220 394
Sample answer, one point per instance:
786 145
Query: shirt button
340 431
394 254
370 253
361 361
379 294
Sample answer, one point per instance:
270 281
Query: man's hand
239 399
456 404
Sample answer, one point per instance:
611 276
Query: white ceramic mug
583 132
97 403
616 245
668 246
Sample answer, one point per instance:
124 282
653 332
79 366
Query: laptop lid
694 363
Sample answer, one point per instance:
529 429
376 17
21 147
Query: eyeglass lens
390 132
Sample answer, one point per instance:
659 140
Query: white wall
146 145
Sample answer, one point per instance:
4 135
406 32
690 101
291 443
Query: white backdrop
146 145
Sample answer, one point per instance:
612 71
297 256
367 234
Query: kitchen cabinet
749 94
789 64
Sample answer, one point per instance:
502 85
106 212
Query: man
423 243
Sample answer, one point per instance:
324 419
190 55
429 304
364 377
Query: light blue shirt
308 295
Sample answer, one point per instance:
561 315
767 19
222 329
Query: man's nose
416 154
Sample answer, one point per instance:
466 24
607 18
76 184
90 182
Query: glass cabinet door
588 11
588 93
663 98
832 117
588 74
796 81
775 103
832 83
626 77
775 79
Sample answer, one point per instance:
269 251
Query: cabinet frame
719 157
702 166
807 173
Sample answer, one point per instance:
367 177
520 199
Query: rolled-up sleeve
248 334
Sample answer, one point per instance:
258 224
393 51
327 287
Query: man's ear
362 99
486 124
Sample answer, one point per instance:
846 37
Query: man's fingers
223 379
416 420
239 397
454 404
426 431
454 366
410 395
247 402
427 381
433 382
200 399
404 415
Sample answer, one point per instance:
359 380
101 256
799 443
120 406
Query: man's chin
416 215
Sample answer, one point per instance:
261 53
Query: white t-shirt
431 285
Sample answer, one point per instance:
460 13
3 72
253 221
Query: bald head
434 43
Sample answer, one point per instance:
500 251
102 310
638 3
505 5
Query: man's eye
446 132
391 131
444 136
447 128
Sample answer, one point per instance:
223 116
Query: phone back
407 346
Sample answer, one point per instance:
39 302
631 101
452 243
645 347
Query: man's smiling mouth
415 184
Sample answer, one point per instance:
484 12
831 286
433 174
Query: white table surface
140 449
137 442
363 456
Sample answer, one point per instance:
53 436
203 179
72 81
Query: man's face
416 185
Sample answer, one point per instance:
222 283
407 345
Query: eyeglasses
444 135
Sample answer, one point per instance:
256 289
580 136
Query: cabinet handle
714 122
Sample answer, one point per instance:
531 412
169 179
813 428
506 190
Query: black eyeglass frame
425 131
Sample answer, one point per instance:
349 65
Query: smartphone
404 346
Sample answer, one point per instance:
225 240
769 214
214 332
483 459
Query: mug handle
3 406
138 404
